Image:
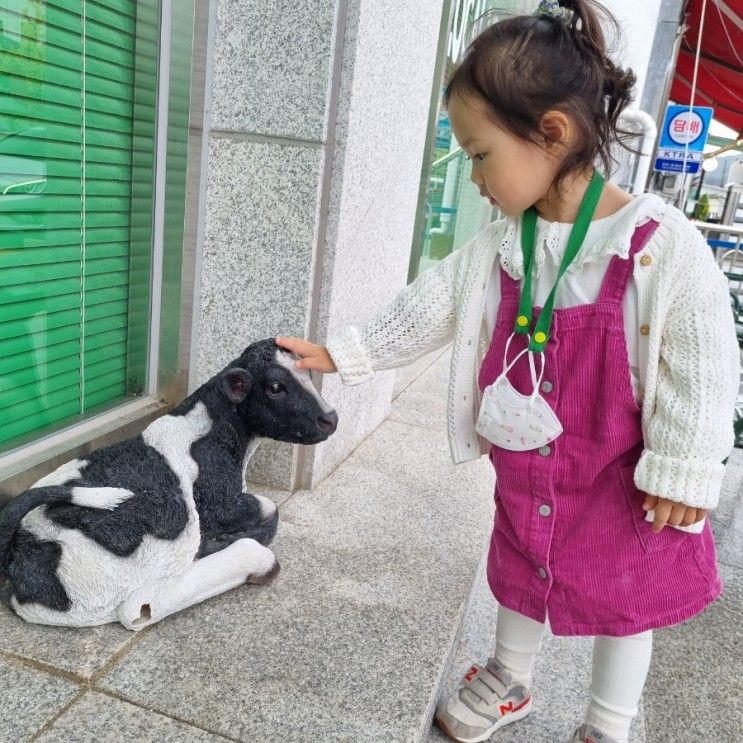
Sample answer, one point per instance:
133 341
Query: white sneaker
589 734
488 700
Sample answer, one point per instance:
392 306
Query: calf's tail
90 497
12 514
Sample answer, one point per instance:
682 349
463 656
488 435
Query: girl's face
512 173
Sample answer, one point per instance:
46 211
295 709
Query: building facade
179 179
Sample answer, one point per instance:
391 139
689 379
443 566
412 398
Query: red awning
720 76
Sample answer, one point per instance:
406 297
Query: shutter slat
35 256
93 355
104 395
99 340
38 290
110 16
23 310
106 280
31 407
26 343
126 8
30 376
113 380
103 325
40 422
52 321
114 38
52 272
52 353
111 366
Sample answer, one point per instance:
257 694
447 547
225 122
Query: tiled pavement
350 643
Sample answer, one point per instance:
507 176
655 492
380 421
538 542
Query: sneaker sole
506 720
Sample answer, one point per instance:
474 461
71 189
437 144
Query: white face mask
514 421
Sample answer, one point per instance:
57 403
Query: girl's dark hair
526 65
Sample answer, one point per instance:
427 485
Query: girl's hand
671 512
313 356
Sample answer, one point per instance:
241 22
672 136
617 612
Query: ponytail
526 65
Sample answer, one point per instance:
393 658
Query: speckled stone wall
381 130
315 154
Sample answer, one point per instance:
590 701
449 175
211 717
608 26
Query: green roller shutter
77 132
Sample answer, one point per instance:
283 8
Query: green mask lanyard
577 235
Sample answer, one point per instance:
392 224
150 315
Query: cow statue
149 526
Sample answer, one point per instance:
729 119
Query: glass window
451 211
77 133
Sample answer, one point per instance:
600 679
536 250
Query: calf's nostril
328 422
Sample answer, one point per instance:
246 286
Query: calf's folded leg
243 561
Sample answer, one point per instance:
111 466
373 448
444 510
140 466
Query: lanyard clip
523 322
539 341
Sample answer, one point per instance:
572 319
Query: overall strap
618 274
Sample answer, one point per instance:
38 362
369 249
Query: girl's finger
678 511
690 517
290 344
699 515
297 345
649 503
662 512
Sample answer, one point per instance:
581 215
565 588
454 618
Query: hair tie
553 9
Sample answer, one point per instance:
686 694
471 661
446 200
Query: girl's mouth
493 202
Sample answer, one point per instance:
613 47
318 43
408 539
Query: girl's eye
476 157
276 389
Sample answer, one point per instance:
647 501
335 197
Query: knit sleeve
421 318
691 429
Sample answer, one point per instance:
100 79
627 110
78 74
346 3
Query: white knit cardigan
692 362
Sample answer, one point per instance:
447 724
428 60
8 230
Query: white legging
620 667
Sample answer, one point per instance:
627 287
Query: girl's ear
557 129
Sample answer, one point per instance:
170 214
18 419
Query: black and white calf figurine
154 524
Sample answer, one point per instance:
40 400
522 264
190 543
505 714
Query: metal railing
727 243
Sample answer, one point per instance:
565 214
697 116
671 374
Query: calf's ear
236 384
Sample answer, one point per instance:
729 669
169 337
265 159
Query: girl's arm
691 428
420 319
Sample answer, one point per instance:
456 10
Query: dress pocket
651 542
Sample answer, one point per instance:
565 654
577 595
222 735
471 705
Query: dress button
544 451
644 329
542 573
544 510
646 260
546 386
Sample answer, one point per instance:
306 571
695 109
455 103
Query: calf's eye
276 389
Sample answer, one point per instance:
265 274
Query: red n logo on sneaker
470 674
510 708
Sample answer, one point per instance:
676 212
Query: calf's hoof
265 578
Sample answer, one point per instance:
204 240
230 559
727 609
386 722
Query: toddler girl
609 374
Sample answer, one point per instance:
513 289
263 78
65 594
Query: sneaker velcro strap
484 684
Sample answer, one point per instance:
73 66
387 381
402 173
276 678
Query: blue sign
684 132
443 132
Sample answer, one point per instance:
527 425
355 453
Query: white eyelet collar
605 243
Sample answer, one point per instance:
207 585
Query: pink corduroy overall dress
570 541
